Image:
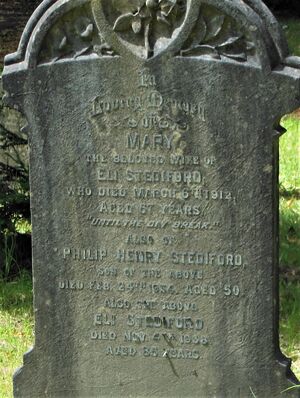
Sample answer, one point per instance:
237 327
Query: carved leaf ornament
152 19
65 40
150 26
214 34
217 36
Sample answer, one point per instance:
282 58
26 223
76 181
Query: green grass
289 178
290 322
292 32
290 234
16 328
289 182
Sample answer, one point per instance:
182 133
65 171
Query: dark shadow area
286 8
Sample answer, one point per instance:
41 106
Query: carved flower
152 18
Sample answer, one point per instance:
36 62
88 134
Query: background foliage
14 204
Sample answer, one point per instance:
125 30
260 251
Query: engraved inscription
148 201
151 101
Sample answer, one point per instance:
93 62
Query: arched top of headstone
240 31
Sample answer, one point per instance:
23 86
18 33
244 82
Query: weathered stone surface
154 157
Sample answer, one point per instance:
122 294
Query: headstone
153 132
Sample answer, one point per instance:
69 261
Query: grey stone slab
154 130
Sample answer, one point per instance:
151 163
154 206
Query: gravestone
153 133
